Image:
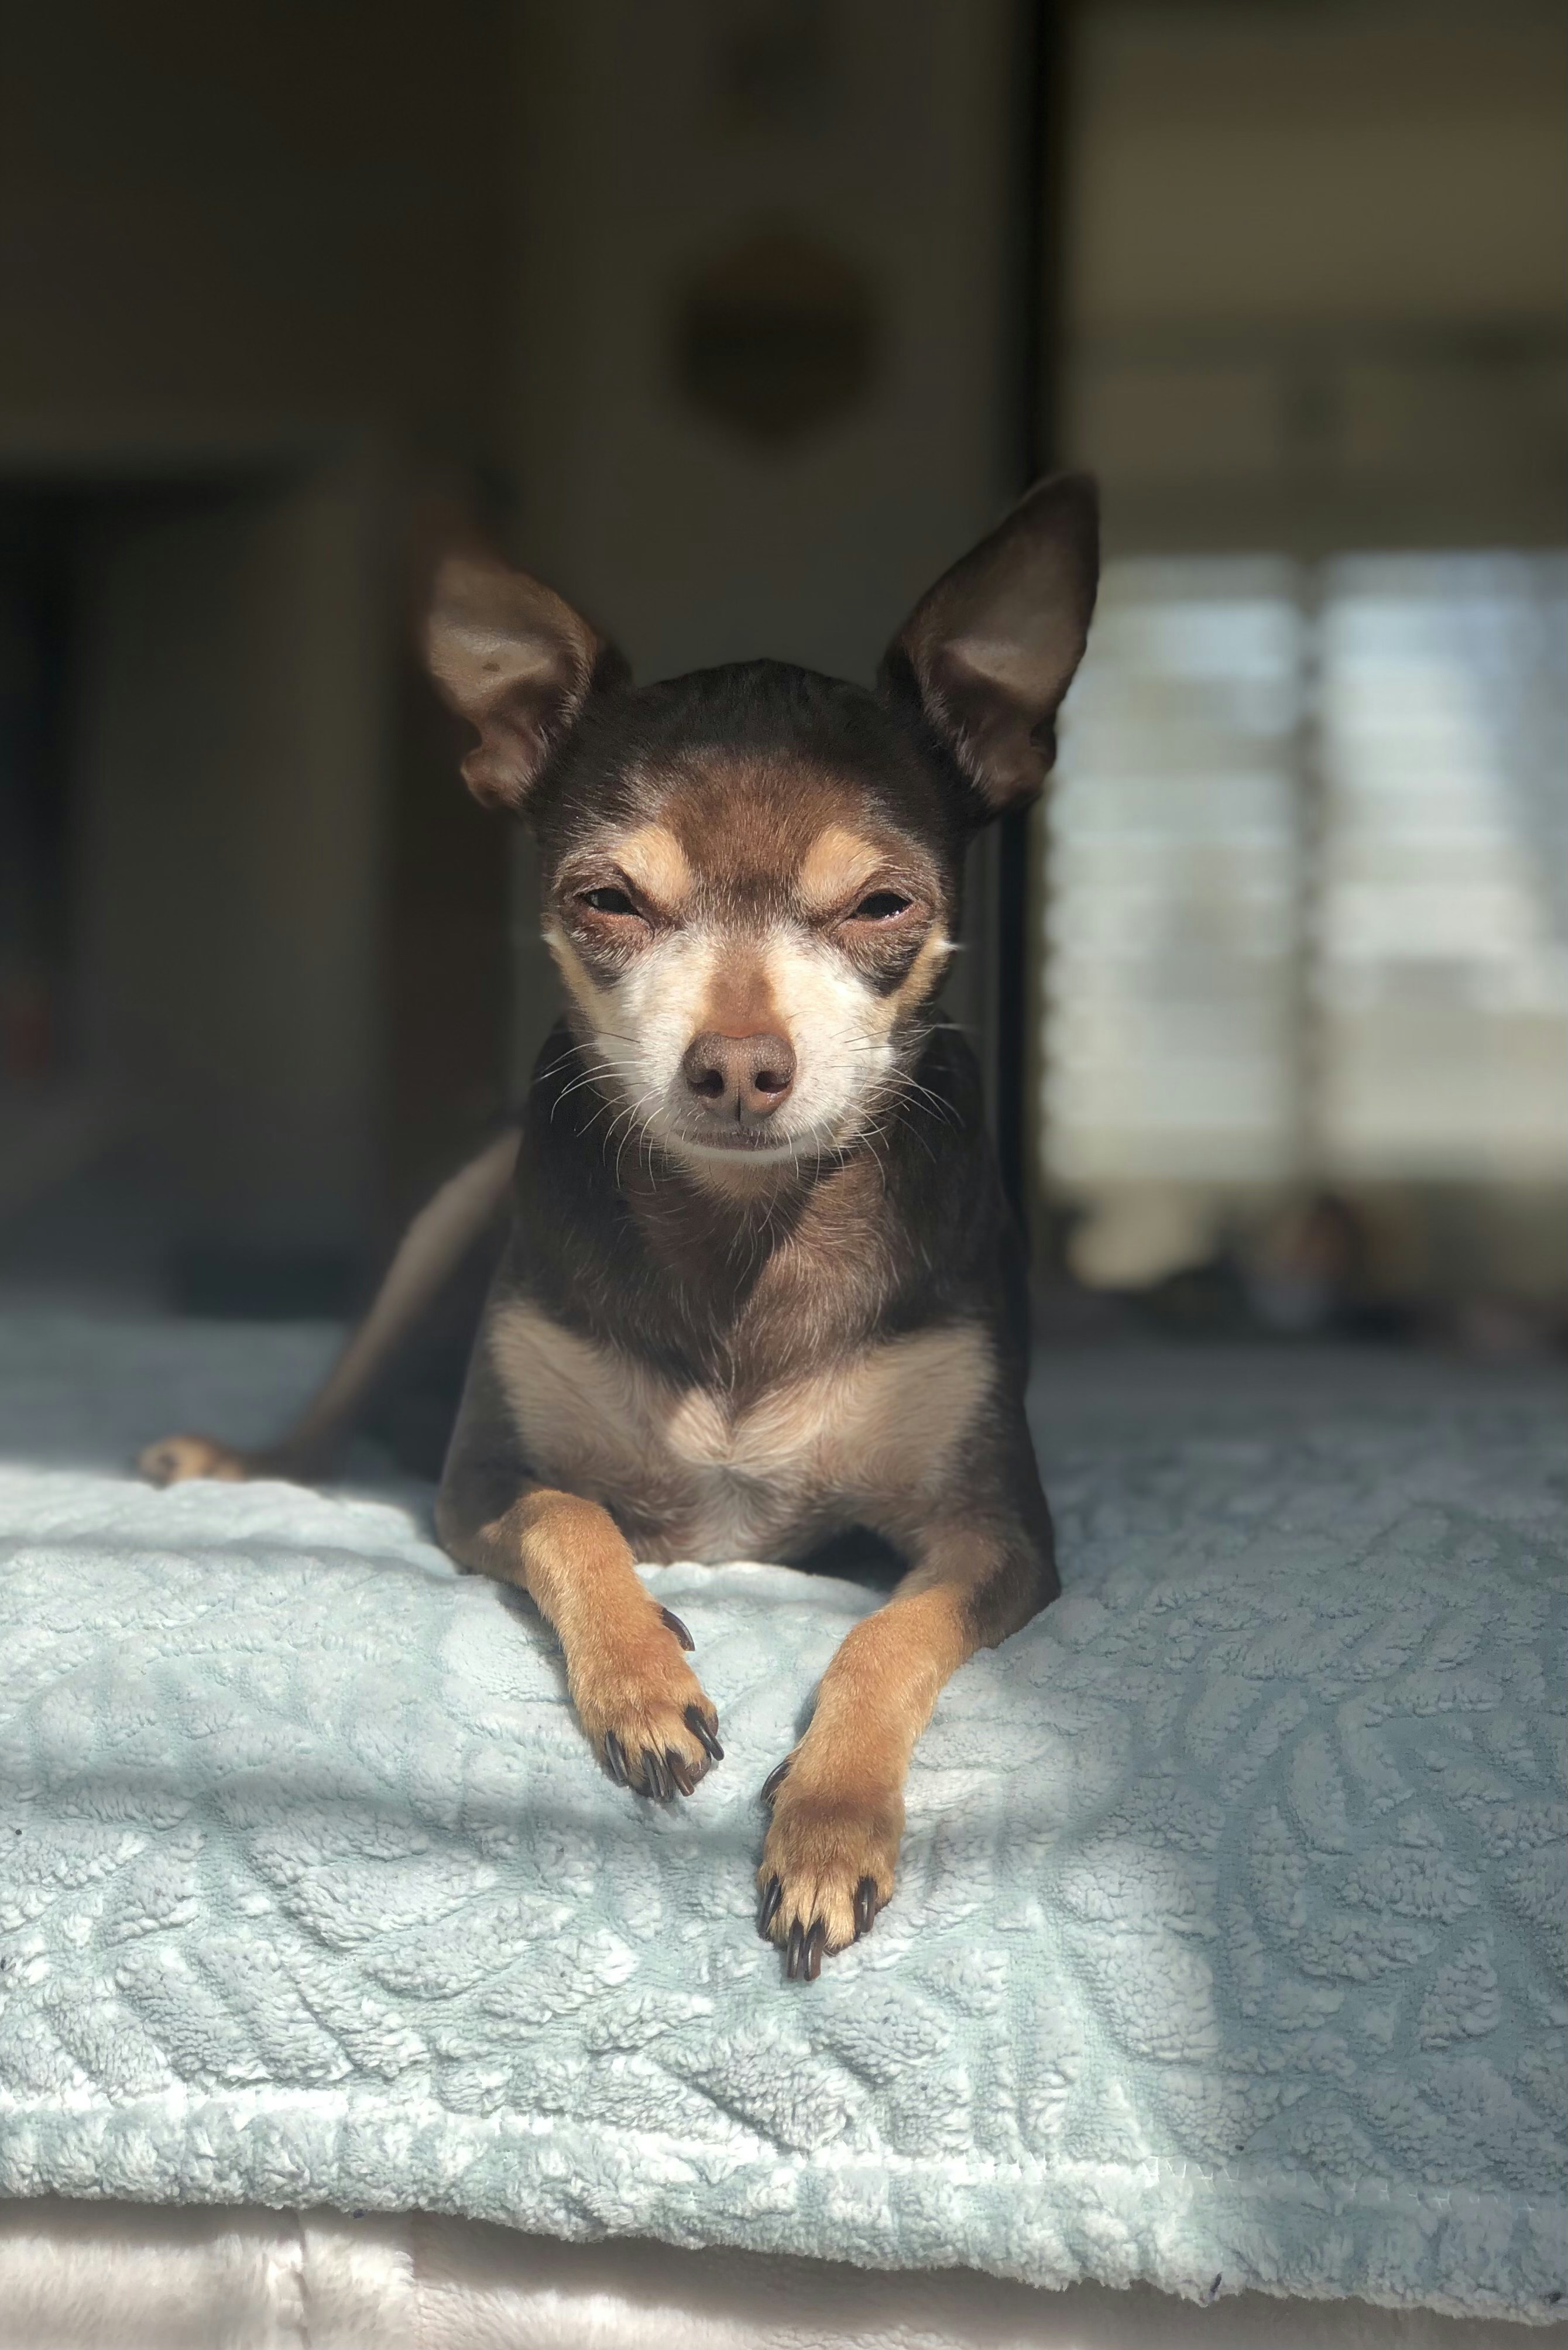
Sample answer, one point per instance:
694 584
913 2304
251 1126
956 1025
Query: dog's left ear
514 658
990 651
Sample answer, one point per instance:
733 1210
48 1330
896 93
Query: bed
339 1994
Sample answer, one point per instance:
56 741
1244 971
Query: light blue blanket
1227 1949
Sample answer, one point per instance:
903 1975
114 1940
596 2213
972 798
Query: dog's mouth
763 1143
739 1142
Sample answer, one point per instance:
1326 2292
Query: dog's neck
765 1282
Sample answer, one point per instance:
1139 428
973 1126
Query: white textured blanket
1228 1945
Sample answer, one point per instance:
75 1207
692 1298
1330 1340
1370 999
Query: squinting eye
880 906
607 901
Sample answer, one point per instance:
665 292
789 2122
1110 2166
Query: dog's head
752 874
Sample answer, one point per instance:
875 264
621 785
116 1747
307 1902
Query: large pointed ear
514 658
990 651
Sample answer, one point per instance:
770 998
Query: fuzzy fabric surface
1227 1952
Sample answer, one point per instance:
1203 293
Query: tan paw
828 1866
175 1458
653 1725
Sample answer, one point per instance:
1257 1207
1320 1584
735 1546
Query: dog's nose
742 1078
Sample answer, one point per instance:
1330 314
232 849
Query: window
1307 878
1440 962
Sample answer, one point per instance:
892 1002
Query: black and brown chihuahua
760 1285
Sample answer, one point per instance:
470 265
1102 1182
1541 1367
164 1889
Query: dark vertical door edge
1034 328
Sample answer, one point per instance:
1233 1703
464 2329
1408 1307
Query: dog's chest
695 1474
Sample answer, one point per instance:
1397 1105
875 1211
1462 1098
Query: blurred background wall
257 275
738 319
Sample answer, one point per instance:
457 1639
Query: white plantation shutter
1441 951
1174 867
1307 869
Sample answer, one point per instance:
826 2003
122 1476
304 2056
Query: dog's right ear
989 653
515 660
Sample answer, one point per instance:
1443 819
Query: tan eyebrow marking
653 860
837 864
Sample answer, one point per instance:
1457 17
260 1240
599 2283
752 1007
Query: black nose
742 1078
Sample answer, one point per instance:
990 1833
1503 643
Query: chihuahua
761 1288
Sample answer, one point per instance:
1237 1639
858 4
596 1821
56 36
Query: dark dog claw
865 1906
615 1755
795 1946
812 1966
678 1771
655 1779
773 1895
775 1781
703 1735
678 1628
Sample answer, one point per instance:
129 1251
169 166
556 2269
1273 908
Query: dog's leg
652 1724
426 1254
838 1801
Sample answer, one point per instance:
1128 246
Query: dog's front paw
828 1866
175 1458
653 1725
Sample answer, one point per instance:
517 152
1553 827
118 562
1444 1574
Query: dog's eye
607 901
880 906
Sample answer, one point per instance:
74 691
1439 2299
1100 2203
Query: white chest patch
871 1438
